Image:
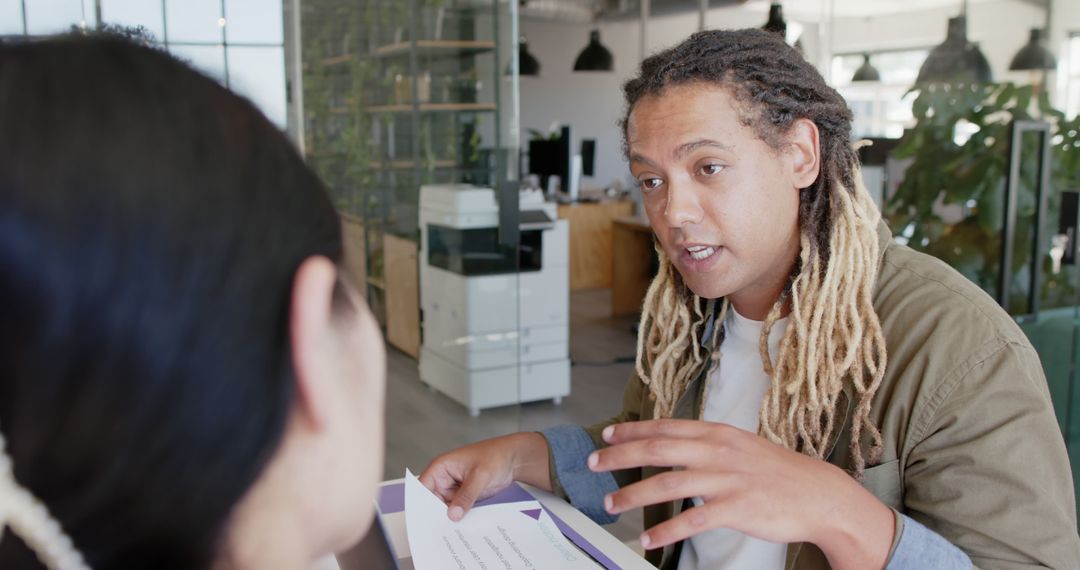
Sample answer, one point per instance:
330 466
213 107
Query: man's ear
804 152
310 336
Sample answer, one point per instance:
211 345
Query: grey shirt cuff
919 547
570 447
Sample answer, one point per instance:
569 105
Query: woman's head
750 183
175 335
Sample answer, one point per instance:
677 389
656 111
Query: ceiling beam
1037 3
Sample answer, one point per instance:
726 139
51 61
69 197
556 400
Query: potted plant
950 203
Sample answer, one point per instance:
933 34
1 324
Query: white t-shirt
734 395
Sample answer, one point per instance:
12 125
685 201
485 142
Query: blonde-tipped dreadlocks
833 336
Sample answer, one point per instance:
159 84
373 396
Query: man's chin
706 290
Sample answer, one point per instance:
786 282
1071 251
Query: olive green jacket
972 449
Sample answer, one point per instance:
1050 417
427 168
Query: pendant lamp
776 23
1033 56
866 71
956 60
527 64
595 57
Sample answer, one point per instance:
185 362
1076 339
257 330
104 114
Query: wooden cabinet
355 262
634 266
402 294
590 241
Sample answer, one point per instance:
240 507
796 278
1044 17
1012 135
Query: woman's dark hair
151 223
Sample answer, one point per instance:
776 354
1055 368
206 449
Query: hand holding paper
516 533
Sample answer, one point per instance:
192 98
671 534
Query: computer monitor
552 157
588 156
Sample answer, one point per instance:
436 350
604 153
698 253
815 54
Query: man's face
723 204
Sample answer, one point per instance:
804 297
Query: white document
507 536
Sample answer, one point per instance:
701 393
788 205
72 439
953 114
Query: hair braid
31 521
833 336
669 348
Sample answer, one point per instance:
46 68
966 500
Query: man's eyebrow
634 157
687 148
682 150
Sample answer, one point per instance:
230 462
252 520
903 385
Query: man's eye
711 169
650 184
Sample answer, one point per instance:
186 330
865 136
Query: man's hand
748 484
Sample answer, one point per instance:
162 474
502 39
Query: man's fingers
427 478
667 487
439 480
688 523
681 429
475 483
656 452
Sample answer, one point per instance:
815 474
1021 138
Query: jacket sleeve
986 467
569 448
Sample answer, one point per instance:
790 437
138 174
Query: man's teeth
700 251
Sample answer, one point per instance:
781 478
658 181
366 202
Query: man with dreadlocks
807 393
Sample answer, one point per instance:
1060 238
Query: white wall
1065 19
593 102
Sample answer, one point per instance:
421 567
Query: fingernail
456 513
609 503
607 433
645 541
593 460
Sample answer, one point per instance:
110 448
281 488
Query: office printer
495 318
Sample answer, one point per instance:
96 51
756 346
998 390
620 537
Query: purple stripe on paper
391 498
583 544
512 494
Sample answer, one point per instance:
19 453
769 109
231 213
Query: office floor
422 423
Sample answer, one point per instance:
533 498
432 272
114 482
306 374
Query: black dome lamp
527 64
1033 56
776 23
595 57
866 72
955 60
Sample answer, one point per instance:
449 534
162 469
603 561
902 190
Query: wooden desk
634 260
590 241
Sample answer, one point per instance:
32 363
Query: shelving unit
433 108
423 108
437 48
401 93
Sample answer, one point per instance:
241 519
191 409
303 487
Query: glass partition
410 115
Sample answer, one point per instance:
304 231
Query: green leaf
1008 90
